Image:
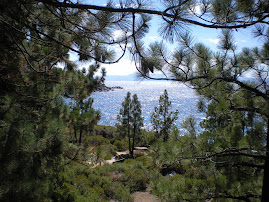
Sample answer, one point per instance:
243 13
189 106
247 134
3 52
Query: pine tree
163 118
136 121
83 118
234 111
130 120
124 118
34 117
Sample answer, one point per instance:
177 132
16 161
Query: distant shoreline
104 88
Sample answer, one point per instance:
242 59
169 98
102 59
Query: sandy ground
113 159
107 161
145 197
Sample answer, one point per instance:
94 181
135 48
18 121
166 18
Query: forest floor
110 161
145 197
115 158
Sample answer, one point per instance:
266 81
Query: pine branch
154 12
233 152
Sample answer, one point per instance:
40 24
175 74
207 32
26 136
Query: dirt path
145 197
110 161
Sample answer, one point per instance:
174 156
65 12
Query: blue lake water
182 97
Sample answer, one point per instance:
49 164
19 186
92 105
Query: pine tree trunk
80 135
133 141
265 187
129 139
75 134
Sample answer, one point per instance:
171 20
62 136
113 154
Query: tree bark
75 134
129 139
265 187
80 135
133 141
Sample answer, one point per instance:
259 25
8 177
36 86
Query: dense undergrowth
168 168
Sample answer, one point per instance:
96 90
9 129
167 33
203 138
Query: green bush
179 188
121 192
108 156
70 192
121 145
116 181
135 179
147 138
105 131
96 140
144 160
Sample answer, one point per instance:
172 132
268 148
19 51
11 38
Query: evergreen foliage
131 120
124 118
40 136
117 181
236 110
35 120
163 118
137 119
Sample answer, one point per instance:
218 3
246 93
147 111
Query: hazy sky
209 37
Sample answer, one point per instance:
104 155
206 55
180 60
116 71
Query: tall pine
163 117
131 120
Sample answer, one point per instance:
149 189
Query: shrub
121 192
108 156
147 138
96 140
121 145
144 160
135 179
105 131
70 192
179 188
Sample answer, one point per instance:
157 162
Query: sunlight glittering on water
182 97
